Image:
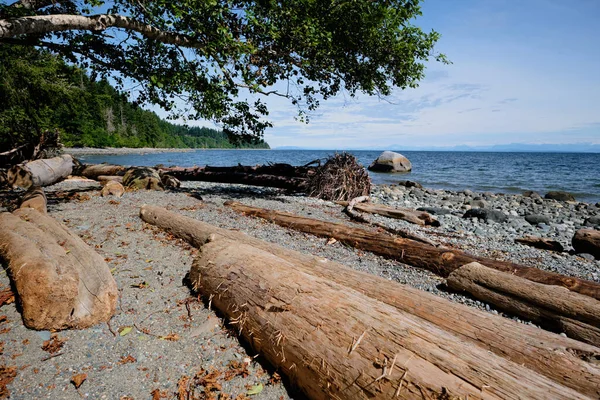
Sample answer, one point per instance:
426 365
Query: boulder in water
388 161
560 196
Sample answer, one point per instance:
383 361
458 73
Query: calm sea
578 173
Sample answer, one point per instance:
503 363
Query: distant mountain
511 147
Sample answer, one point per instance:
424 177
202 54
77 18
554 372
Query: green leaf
124 330
256 389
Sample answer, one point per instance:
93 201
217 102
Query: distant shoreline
112 151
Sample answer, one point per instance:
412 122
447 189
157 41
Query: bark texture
35 198
42 24
61 282
561 359
42 172
94 171
336 343
553 307
441 261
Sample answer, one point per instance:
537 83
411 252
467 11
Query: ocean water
577 173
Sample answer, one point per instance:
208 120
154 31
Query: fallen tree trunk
40 172
275 181
415 217
441 261
103 179
541 243
561 359
35 198
196 173
94 171
552 307
61 282
336 343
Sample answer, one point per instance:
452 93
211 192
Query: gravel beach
161 333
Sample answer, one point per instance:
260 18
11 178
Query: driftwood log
415 217
112 188
94 171
40 172
275 181
197 173
105 178
336 343
61 282
552 307
357 216
35 198
441 261
541 243
560 359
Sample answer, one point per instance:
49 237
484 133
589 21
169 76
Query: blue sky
523 71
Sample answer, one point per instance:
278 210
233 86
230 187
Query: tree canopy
40 92
216 57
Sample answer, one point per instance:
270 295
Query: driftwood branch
43 24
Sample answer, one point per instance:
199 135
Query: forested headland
39 91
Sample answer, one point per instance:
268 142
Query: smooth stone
535 219
486 215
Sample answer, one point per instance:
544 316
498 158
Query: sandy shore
136 364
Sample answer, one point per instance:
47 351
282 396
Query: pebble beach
162 333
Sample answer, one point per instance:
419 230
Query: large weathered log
35 198
441 261
275 181
194 173
94 171
336 343
406 214
544 352
40 172
553 307
61 282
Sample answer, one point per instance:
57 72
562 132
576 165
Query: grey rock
486 215
479 203
592 221
531 194
560 196
410 184
535 219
